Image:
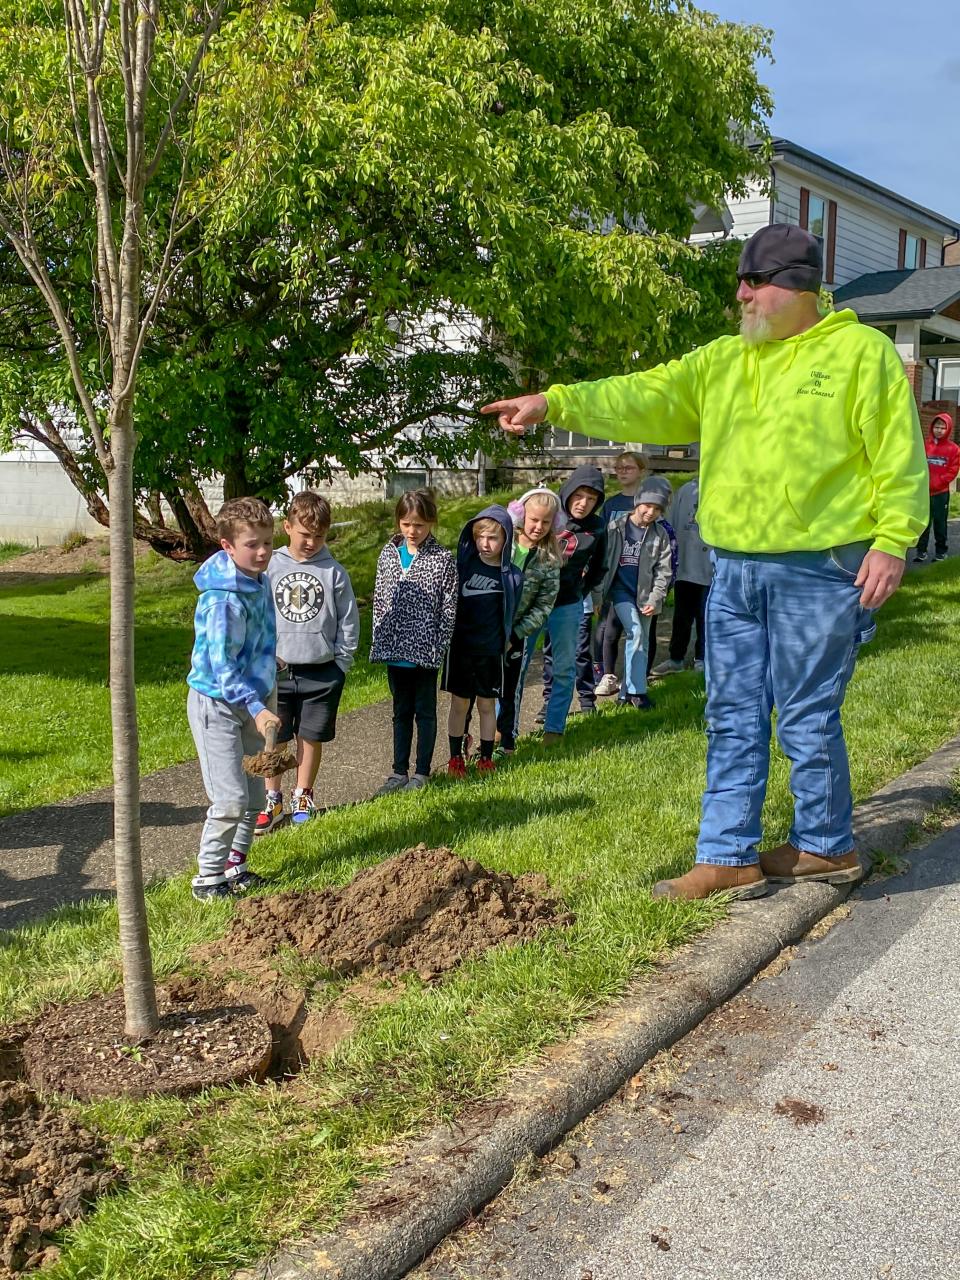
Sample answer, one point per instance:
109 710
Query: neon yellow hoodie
805 443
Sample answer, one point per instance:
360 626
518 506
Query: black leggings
414 692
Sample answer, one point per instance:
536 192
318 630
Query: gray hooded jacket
693 564
654 568
317 617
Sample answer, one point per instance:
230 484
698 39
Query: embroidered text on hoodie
805 443
234 650
317 616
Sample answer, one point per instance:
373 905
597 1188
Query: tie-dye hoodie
234 652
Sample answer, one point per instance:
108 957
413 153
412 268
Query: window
817 219
949 380
911 253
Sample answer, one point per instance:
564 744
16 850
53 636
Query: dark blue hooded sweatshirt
512 578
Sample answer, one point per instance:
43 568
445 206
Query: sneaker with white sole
396 782
699 665
303 808
271 816
667 668
608 685
211 892
244 882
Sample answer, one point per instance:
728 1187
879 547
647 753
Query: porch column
907 342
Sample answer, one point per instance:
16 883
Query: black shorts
472 675
307 700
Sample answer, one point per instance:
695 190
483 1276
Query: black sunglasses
755 279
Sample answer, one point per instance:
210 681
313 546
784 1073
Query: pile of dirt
423 911
51 1171
80 1049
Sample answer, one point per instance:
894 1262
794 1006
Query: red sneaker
456 767
486 766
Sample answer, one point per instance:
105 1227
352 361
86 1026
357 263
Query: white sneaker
698 665
608 685
667 668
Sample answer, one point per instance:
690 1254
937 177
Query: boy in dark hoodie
582 542
489 586
943 459
318 629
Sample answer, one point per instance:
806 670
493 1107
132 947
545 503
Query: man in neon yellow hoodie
813 486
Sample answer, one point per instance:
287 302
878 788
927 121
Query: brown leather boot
551 739
787 864
708 877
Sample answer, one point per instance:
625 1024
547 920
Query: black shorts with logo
472 675
308 696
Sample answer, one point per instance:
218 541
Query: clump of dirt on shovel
51 1170
423 911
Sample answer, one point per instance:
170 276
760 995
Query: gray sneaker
699 665
417 781
667 668
396 782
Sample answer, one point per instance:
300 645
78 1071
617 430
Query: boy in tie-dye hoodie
232 691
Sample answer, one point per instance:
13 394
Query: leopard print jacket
414 612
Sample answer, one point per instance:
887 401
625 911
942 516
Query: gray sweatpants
224 734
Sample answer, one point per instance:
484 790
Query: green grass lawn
228 1175
54 698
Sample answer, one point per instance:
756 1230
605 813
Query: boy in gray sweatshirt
318 628
690 591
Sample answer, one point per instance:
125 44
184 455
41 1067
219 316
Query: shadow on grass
77 650
469 811
79 830
14 585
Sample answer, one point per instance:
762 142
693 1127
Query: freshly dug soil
51 1170
80 1049
423 912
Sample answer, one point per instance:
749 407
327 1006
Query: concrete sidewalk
805 1129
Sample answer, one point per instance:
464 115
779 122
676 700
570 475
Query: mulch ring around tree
81 1050
51 1171
424 911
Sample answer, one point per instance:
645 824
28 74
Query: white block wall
38 504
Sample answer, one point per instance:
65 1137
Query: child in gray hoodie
318 628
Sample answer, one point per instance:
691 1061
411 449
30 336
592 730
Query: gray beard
755 330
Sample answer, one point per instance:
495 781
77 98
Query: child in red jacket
943 458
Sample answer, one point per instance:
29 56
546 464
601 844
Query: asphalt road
805 1131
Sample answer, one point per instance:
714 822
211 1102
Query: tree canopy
388 212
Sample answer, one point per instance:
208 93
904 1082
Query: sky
874 87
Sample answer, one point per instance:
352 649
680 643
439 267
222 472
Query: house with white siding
875 242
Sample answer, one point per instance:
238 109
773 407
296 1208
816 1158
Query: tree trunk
142 1019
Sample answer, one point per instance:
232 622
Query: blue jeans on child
782 631
636 630
562 627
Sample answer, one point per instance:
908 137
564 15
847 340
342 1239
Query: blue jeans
636 629
782 631
562 627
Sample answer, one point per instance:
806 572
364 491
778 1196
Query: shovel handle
270 736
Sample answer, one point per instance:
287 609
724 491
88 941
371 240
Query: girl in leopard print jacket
414 611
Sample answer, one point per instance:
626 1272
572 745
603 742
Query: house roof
799 156
901 295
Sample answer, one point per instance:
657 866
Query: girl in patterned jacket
414 610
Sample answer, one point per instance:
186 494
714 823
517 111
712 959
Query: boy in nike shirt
318 629
486 602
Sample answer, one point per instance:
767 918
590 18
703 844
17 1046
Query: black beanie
784 255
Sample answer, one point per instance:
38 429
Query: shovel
272 760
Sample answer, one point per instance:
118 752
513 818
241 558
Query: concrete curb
441 1180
